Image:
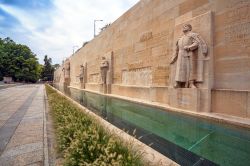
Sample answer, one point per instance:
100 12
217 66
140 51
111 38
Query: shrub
82 140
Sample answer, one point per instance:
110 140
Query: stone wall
143 39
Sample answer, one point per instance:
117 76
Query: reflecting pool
185 139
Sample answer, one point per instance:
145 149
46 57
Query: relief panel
137 77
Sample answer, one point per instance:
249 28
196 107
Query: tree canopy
48 69
18 61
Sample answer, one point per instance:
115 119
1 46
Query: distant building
7 80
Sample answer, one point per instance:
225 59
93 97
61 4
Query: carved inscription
134 65
161 75
238 14
94 78
138 77
233 3
238 34
165 68
146 36
185 98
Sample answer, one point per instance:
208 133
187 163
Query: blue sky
53 27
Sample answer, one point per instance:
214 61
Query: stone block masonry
143 41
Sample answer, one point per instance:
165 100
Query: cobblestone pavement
22 126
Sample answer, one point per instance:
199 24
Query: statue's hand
173 59
186 48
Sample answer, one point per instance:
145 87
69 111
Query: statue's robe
67 69
104 66
189 65
81 75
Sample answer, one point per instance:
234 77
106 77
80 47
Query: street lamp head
94 26
74 49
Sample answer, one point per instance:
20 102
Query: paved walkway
3 86
22 126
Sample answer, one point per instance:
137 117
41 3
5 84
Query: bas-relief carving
106 72
198 79
201 25
82 75
67 68
190 51
66 72
137 77
104 67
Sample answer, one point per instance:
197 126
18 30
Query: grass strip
82 140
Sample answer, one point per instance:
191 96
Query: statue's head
186 28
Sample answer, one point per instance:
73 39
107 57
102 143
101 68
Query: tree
56 66
48 69
18 61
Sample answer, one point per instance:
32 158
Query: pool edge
219 118
150 156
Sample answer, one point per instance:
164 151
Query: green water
222 144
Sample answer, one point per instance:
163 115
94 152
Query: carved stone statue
67 68
190 52
104 66
81 76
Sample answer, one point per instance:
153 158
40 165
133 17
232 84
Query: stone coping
149 155
216 117
45 134
231 90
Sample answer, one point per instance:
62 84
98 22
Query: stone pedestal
103 88
197 100
82 86
108 88
66 82
185 98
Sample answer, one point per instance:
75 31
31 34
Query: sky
56 27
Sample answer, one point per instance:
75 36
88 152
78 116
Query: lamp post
74 49
94 26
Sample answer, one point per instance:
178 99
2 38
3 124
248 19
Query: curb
45 136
